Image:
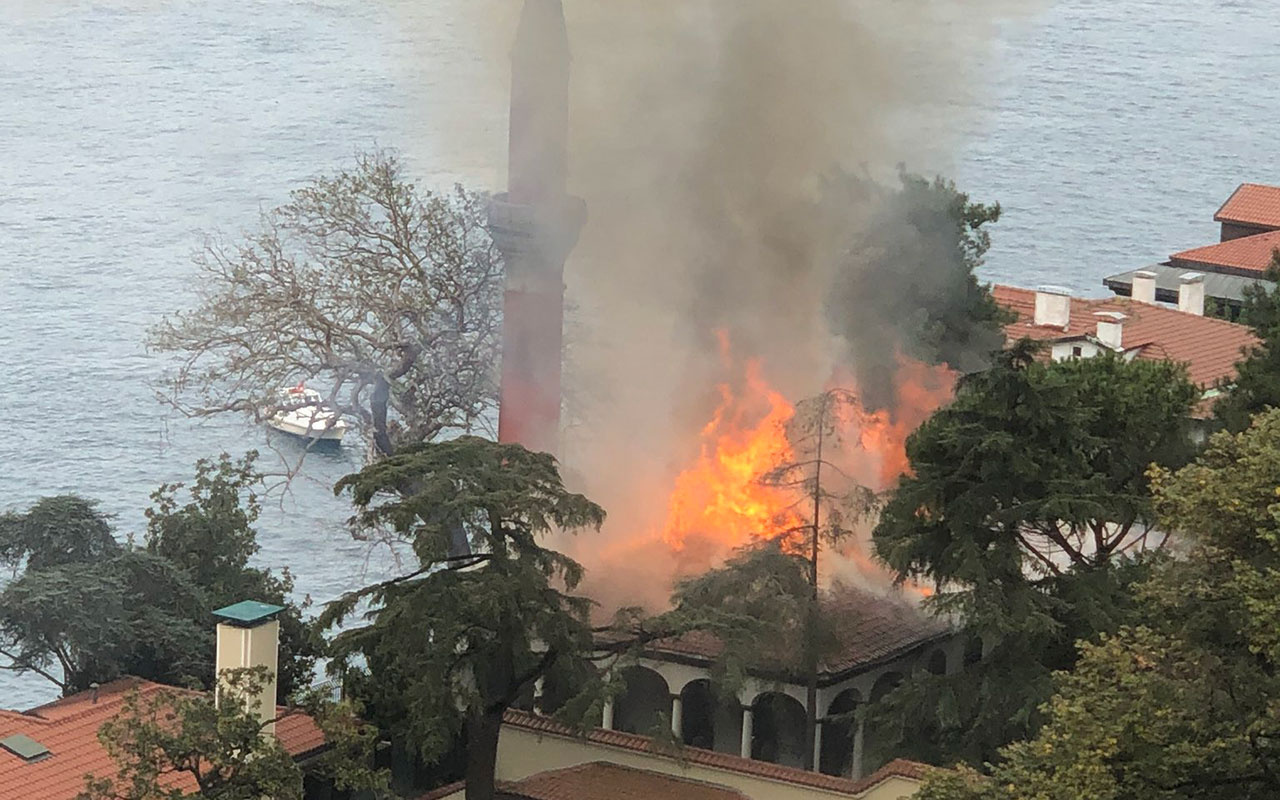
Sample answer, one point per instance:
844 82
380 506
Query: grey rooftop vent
24 747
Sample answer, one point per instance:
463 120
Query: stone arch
524 700
710 720
887 682
778 730
972 650
880 737
838 728
564 682
937 663
698 701
646 697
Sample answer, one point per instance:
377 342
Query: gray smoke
733 155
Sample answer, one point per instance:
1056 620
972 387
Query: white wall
522 753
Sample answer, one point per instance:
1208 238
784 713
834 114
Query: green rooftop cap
24 747
248 613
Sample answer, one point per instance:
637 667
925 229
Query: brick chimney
1111 328
1191 293
1144 286
1053 307
249 636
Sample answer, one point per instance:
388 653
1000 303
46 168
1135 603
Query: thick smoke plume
730 152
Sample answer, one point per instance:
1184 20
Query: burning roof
870 629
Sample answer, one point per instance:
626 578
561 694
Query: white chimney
1053 307
248 637
1111 329
1144 286
1191 293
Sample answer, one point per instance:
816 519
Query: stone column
677 717
859 735
747 723
817 747
607 721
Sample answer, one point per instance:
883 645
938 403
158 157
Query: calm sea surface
1110 131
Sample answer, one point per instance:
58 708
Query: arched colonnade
764 721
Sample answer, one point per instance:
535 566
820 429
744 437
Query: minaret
535 225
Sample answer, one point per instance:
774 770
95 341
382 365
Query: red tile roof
1209 347
1252 204
873 628
69 729
713 759
1248 255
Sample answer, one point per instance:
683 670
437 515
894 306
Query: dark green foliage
1028 507
87 609
760 594
211 539
451 646
1186 705
65 529
94 610
1257 383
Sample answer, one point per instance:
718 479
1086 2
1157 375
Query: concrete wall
1063 350
522 753
1233 230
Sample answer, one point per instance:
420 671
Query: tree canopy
1029 508
455 643
87 608
1257 382
385 295
1185 705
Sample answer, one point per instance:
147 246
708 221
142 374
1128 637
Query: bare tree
388 297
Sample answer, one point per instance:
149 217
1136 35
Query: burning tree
772 586
834 502
385 295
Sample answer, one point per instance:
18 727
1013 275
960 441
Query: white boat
300 411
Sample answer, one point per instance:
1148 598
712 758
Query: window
1077 351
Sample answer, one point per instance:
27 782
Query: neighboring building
539 759
1252 209
1076 327
45 753
1250 222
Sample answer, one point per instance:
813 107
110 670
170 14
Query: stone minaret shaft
535 225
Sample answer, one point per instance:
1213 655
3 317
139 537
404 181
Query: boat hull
301 430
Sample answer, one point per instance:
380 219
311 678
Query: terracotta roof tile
872 628
1249 255
69 729
716 760
1208 346
1252 204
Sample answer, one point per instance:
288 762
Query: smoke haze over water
701 135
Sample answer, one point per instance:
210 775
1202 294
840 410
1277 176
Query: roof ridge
716 759
587 765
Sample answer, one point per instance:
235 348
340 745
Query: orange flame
720 497
718 503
